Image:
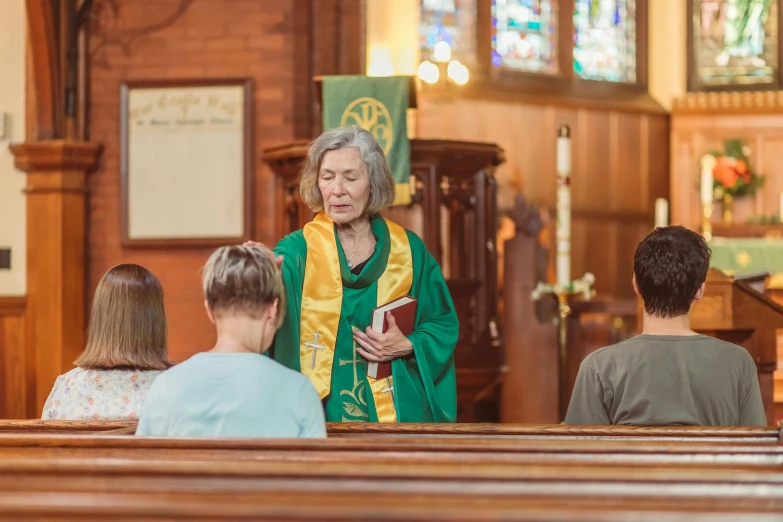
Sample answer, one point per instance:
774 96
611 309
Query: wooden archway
44 93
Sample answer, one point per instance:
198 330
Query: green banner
379 105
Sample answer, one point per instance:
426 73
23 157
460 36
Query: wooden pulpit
738 311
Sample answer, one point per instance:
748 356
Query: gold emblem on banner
373 116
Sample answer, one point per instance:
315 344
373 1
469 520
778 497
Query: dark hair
127 322
670 265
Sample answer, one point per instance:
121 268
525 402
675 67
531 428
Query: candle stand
583 286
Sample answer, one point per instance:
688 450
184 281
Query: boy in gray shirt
668 375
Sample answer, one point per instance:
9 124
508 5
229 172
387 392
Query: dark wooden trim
13 305
564 87
694 83
249 163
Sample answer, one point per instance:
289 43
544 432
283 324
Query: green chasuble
424 381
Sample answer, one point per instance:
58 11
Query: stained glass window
524 35
605 40
735 42
450 21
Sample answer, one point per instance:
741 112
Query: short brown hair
670 265
243 280
127 322
382 189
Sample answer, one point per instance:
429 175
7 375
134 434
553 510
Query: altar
747 255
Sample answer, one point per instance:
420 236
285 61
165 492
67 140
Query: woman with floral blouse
125 352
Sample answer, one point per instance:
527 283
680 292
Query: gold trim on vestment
322 294
322 300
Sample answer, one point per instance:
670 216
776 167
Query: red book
404 312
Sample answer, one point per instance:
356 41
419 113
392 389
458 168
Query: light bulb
458 73
442 52
428 72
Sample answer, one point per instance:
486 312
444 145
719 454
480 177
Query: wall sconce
443 66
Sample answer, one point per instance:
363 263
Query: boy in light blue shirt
233 390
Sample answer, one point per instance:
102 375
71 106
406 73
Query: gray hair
243 280
382 189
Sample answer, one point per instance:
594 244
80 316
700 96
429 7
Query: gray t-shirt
659 380
232 395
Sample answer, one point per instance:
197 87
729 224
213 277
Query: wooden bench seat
341 507
386 487
515 431
359 449
62 476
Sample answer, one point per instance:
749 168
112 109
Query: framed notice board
186 163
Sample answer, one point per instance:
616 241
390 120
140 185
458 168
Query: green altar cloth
739 256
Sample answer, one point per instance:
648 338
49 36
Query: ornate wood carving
14 374
758 102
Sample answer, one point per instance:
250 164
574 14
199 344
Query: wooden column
56 265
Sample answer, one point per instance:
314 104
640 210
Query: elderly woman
338 269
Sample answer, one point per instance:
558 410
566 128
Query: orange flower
741 167
724 172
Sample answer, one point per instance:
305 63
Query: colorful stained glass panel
605 40
450 21
524 35
735 42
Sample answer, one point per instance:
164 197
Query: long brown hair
127 322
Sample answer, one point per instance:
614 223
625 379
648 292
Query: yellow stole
322 297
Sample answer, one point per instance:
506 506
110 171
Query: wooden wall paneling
14 376
597 170
694 134
629 174
658 159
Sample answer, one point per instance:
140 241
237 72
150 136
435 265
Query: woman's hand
377 347
278 259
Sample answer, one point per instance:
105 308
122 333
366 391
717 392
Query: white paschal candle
707 164
563 234
661 213
781 207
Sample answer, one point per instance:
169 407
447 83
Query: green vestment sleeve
285 348
424 382
434 338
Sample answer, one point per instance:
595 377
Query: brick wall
146 40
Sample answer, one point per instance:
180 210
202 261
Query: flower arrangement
732 173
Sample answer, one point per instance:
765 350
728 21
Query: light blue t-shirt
232 395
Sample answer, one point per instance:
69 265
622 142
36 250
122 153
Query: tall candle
781 206
661 213
707 164
563 233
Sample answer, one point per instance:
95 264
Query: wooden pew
53 426
513 431
491 490
453 478
395 450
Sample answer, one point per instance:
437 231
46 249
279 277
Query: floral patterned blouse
98 395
